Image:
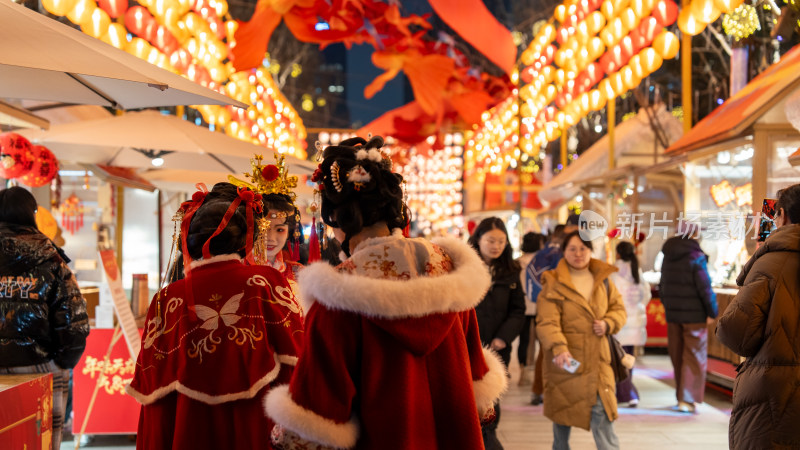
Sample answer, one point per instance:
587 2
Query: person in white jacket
635 294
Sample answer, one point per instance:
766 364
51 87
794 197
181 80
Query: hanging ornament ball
16 156
45 167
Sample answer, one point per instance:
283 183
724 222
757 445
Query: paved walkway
650 426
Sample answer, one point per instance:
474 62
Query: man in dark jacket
43 320
690 306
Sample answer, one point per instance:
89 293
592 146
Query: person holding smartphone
762 323
578 308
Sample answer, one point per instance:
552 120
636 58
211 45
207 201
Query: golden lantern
608 37
650 60
139 48
704 11
608 10
619 29
597 99
116 36
635 65
59 7
606 88
596 48
727 6
560 13
629 19
97 24
688 23
82 11
595 21
629 80
617 84
666 44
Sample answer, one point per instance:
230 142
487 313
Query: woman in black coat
44 322
501 313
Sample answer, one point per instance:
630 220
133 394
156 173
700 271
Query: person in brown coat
762 323
577 309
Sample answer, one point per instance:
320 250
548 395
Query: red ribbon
252 202
190 207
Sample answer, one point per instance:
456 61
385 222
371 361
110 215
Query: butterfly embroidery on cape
227 313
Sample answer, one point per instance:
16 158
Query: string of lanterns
194 38
433 183
694 18
72 213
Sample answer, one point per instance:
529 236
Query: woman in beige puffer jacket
577 310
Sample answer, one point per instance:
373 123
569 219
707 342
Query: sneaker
685 407
536 399
633 403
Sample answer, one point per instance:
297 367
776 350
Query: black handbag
619 360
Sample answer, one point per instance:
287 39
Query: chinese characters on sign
714 225
114 374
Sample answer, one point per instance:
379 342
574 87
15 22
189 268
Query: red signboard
656 324
26 415
114 411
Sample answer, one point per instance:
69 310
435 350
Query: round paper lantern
16 155
704 11
596 48
116 36
136 19
97 25
45 167
606 88
636 66
607 36
666 44
59 7
597 99
82 11
114 8
617 84
629 19
727 6
666 12
689 24
650 60
608 10
560 13
596 21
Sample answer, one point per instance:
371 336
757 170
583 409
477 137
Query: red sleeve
489 378
318 404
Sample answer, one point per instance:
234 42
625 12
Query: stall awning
122 176
735 117
635 145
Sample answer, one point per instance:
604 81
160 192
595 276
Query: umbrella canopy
43 59
151 130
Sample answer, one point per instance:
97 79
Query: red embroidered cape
212 347
392 357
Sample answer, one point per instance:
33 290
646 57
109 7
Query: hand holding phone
567 362
767 222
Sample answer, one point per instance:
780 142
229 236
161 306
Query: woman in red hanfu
392 356
218 340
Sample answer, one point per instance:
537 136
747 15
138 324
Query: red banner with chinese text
114 411
27 411
656 324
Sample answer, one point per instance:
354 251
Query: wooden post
686 76
611 117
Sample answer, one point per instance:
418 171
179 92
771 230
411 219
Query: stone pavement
651 426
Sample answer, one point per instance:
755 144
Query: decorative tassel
314 253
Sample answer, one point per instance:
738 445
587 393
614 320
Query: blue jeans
602 429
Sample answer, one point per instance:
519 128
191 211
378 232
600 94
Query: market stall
735 157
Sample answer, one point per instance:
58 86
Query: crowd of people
406 343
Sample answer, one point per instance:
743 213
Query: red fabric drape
472 21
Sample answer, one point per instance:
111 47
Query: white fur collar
459 290
214 259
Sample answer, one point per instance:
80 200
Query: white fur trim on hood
459 290
307 424
214 259
489 388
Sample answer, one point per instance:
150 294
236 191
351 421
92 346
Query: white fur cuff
307 424
488 389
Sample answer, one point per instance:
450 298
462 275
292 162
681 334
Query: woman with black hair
635 292
578 308
392 357
762 324
44 322
282 215
217 340
501 312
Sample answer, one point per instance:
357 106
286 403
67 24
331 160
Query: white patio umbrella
43 59
152 132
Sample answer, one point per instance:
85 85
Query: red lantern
665 12
649 28
16 156
114 8
72 214
45 167
136 20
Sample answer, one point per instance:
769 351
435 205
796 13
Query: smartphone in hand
571 366
767 222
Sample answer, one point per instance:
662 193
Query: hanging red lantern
136 20
114 8
45 167
16 155
72 214
665 12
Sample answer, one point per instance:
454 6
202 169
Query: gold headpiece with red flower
269 179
